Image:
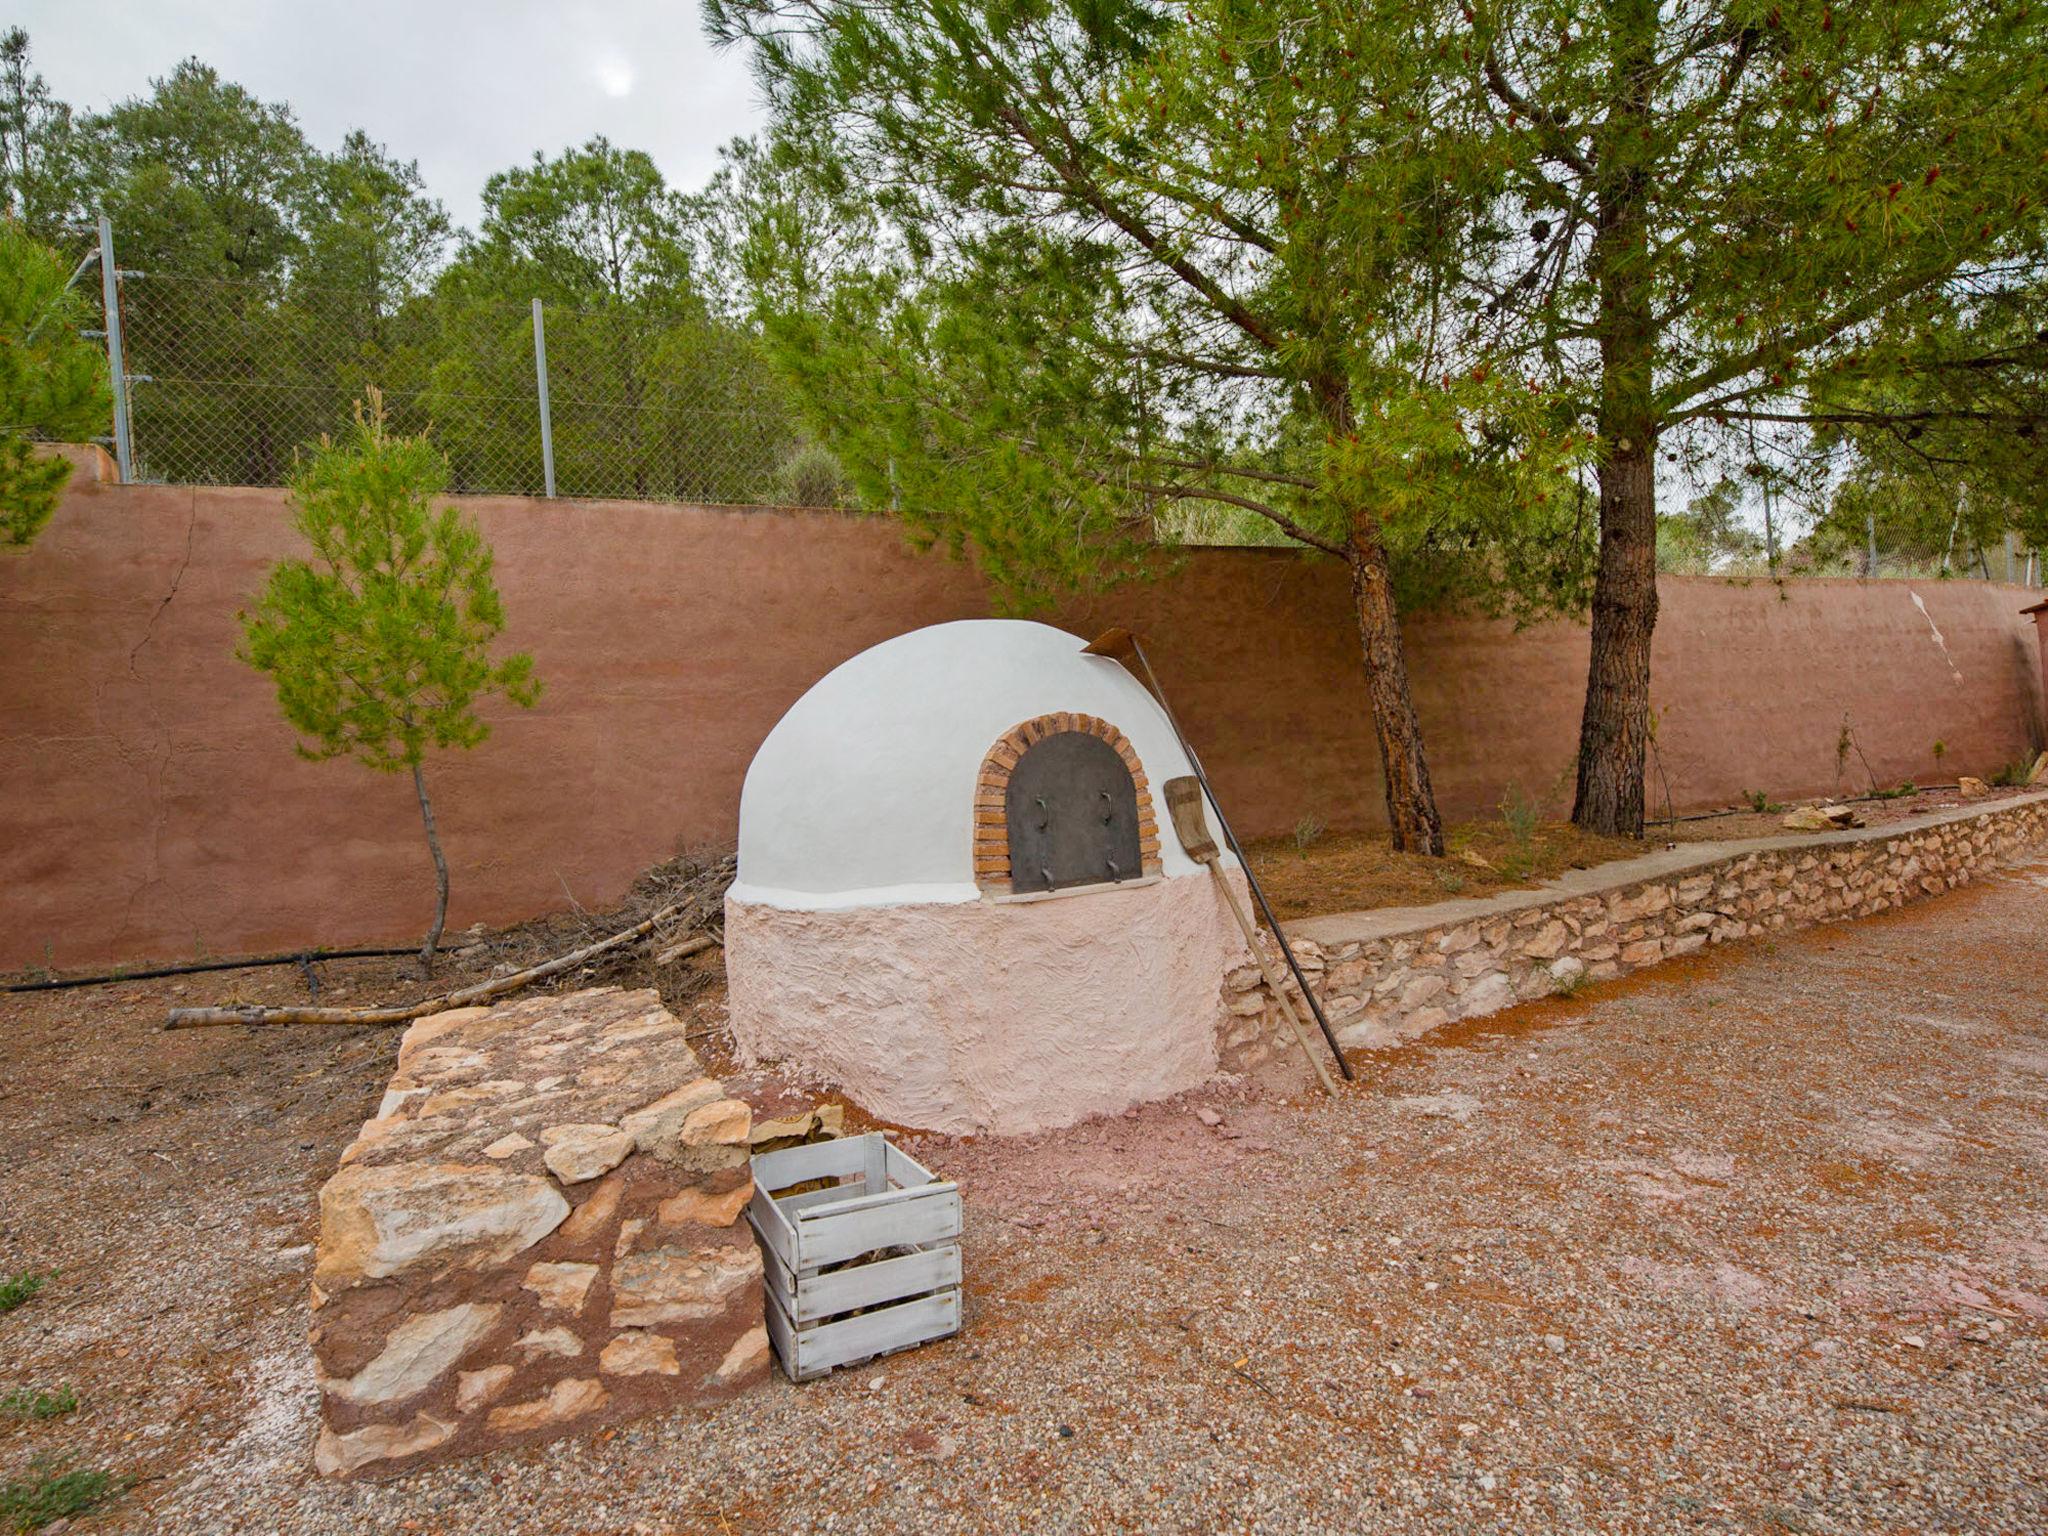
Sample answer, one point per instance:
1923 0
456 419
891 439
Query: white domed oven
954 898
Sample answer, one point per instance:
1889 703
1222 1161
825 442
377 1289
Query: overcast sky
462 86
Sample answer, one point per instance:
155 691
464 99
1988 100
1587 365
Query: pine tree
53 382
1728 204
379 645
1050 275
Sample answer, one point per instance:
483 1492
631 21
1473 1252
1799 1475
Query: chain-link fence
226 382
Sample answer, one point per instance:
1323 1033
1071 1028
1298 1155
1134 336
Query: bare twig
694 910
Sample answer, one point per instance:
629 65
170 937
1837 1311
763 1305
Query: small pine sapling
380 644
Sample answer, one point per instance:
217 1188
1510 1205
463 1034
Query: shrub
18 1288
27 1403
47 1494
811 477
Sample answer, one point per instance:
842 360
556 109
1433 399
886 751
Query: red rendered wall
151 805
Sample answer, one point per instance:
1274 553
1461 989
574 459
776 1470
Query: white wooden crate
863 1267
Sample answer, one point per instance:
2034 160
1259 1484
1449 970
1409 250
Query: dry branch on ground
697 902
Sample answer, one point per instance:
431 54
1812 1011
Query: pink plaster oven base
987 1016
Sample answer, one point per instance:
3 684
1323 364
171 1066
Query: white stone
726 1122
418 1351
338 1455
567 1399
674 1285
475 1388
1489 994
1422 989
578 1153
748 1351
507 1146
550 1341
379 1222
781 1127
635 1353
656 1127
561 1287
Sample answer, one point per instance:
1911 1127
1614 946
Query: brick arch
991 824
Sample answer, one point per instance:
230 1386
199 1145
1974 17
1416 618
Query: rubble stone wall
539 1232
1387 977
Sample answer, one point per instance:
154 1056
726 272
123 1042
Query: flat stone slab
537 1233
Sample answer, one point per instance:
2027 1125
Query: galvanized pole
540 374
110 293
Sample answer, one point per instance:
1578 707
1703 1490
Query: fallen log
690 912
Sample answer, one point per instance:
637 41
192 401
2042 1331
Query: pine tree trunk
419 784
1615 730
1411 806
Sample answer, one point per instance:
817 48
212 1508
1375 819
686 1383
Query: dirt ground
1757 1241
1351 871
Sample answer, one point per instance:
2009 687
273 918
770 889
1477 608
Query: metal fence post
540 374
110 292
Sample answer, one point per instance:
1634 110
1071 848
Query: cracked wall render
151 805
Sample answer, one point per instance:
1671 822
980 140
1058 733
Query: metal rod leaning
1120 642
1184 802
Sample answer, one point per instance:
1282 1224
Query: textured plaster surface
863 794
151 805
1004 1017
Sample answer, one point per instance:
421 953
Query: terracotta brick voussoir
1402 973
538 1233
991 826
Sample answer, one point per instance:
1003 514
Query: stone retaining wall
539 1232
1385 977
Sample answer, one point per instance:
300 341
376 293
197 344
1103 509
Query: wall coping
1666 863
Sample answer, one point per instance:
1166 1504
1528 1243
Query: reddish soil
1756 1241
1353 871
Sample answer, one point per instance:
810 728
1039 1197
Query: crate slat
835 1159
771 1226
880 1202
790 1205
902 1219
829 1345
810 1298
905 1171
782 1334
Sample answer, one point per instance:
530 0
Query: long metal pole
547 426
117 366
1230 837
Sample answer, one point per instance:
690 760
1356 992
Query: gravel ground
1757 1241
